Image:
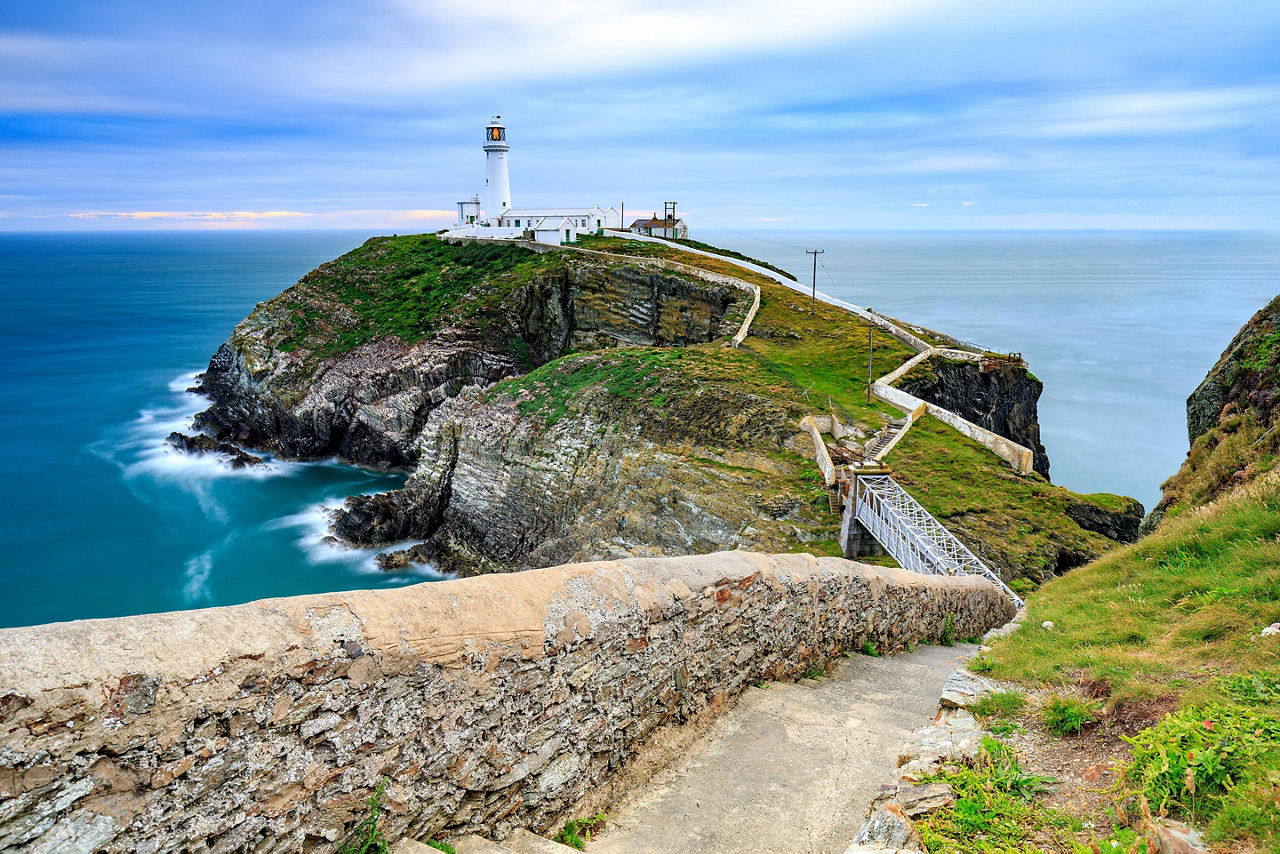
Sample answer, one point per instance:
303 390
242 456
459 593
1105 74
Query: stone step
413 846
472 844
524 842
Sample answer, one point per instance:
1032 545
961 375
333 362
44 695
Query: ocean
103 333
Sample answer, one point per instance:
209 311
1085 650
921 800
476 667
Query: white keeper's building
500 220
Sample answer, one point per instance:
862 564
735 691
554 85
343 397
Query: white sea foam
197 574
315 540
141 449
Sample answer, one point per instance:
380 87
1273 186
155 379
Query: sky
878 114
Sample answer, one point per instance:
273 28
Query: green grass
997 807
401 286
1176 618
1064 715
1020 521
1001 704
1165 616
948 636
365 837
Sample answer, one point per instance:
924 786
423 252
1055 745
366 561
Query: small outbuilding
656 226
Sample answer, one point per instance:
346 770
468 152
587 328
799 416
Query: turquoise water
102 333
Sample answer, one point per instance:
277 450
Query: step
524 842
413 846
472 844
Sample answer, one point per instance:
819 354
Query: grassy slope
818 362
976 495
1243 441
1177 616
406 286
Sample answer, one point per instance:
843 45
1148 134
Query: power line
749 235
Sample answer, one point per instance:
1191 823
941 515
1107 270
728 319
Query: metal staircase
907 531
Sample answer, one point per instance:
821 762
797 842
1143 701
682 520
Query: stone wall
1017 456
488 703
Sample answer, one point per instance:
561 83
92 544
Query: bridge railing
907 531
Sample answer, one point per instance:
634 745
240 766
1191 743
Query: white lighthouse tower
497 185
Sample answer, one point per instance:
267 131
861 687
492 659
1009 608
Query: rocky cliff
555 406
352 360
598 456
1000 397
1231 419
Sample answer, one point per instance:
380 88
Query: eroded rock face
496 489
1244 375
369 404
1003 400
1120 525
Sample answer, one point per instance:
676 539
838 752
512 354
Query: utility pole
813 299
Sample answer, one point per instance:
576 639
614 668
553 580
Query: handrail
917 540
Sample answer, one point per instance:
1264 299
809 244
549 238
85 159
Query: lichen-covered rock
1231 420
497 487
964 689
889 827
1121 525
488 703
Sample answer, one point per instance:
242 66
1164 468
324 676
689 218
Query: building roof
652 222
537 212
551 223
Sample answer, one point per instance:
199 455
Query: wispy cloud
244 115
222 219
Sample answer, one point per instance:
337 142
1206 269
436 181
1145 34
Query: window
597 223
517 223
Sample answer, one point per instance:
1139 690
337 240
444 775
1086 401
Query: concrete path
792 768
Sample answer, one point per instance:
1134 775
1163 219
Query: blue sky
752 114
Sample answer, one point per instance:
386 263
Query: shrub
996 807
1201 752
441 846
868 648
1068 715
948 631
577 832
1251 689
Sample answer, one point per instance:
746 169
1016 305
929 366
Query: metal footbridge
908 532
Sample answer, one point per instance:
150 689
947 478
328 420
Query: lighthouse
497 185
503 222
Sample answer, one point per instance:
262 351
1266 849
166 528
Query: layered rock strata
367 405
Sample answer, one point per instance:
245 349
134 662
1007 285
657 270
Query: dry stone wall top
489 703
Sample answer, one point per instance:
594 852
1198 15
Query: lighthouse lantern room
497 183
